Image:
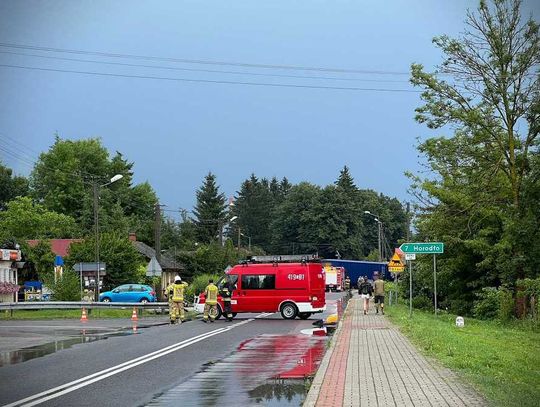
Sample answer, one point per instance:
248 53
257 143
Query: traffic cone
134 315
83 316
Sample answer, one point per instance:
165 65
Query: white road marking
264 315
95 377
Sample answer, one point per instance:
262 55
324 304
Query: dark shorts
379 299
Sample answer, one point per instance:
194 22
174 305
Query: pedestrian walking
378 292
365 290
226 293
210 304
347 284
175 295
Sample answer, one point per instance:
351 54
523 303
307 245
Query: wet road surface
160 362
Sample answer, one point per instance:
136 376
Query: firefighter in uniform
210 304
226 293
175 294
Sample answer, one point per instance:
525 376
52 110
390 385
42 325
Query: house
9 284
169 267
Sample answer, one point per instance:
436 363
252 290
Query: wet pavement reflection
270 370
67 339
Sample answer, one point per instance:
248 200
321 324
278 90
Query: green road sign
423 248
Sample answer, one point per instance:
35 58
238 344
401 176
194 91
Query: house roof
60 247
149 252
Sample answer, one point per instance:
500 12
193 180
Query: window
221 281
259 282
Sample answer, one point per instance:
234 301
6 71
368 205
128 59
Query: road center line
95 377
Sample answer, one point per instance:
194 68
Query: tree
210 210
478 198
494 88
122 259
254 205
11 186
62 177
345 182
41 257
63 180
24 219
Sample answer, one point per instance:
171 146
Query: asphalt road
127 368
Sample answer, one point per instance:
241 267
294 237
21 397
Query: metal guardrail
33 305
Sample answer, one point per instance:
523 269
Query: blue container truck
357 268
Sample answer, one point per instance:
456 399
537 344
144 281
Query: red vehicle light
153 293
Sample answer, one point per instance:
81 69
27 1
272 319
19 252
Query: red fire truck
291 285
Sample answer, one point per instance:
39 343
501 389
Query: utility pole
96 223
157 232
379 224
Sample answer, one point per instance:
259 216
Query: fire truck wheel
234 314
304 315
289 310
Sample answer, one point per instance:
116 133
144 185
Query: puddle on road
269 370
71 338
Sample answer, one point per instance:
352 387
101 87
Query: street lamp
379 232
96 223
249 241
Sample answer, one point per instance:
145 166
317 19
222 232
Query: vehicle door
257 292
118 293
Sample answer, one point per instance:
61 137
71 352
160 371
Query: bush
506 304
422 302
494 303
66 289
198 284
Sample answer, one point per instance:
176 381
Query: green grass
70 313
502 361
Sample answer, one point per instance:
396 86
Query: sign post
433 248
435 281
410 289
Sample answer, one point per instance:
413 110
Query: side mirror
116 291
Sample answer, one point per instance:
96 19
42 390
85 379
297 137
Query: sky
178 129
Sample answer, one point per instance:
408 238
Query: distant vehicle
334 277
294 289
357 268
129 293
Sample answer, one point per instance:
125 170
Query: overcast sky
176 131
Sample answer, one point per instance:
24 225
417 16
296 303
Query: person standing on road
175 294
226 293
379 294
365 290
210 303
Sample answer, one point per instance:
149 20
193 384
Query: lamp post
379 232
96 223
249 241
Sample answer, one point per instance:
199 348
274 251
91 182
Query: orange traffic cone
83 316
134 315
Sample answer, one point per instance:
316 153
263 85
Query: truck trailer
357 268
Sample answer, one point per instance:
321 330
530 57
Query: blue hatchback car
129 293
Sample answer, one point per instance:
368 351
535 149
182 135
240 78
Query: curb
314 390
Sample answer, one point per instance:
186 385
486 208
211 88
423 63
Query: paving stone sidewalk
372 364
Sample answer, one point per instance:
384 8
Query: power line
206 62
279 85
205 70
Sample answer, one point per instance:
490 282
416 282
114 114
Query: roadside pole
435 280
410 289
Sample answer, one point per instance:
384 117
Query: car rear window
258 282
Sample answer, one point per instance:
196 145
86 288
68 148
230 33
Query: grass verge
501 361
71 314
